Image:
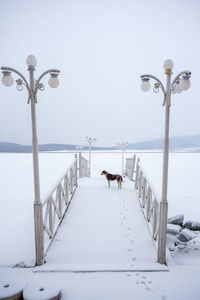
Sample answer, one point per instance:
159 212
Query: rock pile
179 232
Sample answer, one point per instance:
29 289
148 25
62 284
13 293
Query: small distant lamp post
123 146
32 87
180 83
90 140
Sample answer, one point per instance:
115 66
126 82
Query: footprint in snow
129 250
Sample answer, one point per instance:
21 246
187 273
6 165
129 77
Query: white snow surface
17 236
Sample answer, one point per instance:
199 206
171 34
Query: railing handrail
148 199
57 202
130 167
48 195
153 189
83 166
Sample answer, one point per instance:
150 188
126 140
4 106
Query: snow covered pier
104 230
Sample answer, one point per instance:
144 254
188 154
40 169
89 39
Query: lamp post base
39 239
162 232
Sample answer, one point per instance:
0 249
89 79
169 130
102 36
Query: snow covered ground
16 223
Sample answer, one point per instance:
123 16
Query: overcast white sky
101 47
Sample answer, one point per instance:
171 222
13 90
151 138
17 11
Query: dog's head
104 172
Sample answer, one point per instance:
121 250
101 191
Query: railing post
137 174
140 184
50 216
144 192
71 180
66 189
126 167
154 219
76 170
80 165
133 167
59 200
149 198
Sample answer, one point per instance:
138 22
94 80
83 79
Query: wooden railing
130 167
56 203
84 170
149 200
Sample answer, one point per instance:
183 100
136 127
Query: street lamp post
123 146
90 140
180 83
32 88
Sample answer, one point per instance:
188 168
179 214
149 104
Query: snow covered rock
177 220
44 290
172 241
173 229
192 225
11 290
185 235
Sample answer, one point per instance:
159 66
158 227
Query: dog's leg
119 184
108 183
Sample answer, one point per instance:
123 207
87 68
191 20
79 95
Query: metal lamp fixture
179 84
32 88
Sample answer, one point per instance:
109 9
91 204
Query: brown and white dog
111 177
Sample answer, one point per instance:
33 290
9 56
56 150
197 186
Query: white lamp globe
185 83
31 61
178 89
53 80
7 79
168 64
145 85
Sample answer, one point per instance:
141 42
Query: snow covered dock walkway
104 230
